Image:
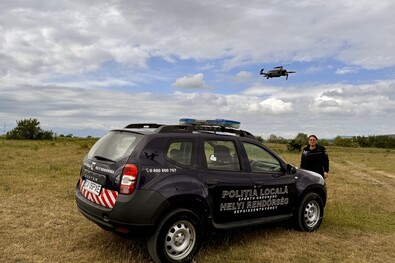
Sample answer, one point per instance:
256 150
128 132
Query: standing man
315 158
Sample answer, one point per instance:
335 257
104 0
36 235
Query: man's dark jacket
315 160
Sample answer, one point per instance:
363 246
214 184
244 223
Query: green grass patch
40 221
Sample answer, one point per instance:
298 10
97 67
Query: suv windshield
114 146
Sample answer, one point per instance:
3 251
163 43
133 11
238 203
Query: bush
294 145
344 142
29 129
276 139
302 138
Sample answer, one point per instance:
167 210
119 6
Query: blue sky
84 67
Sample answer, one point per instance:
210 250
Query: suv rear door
103 166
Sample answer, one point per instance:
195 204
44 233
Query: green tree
294 146
29 129
276 139
344 142
260 139
302 138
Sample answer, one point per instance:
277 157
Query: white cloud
77 36
243 76
346 70
195 81
272 105
341 110
262 90
364 100
75 43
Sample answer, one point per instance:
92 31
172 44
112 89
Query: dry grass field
40 221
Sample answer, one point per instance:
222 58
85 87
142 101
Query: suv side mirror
291 169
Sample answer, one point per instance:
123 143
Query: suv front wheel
177 238
310 213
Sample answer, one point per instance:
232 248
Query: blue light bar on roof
216 122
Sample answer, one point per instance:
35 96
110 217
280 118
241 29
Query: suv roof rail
143 125
189 128
202 128
175 129
209 128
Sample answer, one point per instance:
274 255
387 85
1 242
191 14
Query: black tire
177 238
310 212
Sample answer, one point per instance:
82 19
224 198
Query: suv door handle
259 184
211 182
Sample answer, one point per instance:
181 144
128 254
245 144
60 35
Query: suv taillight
129 179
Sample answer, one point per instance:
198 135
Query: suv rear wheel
178 237
310 213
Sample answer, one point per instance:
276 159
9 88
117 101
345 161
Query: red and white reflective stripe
107 198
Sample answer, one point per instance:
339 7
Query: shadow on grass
106 246
110 247
226 238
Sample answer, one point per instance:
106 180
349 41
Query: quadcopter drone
276 72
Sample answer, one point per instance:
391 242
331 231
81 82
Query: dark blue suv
176 182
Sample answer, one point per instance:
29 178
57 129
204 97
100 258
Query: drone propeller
287 73
278 67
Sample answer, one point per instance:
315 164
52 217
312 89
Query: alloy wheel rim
180 240
312 213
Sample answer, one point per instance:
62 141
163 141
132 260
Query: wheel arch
318 189
194 203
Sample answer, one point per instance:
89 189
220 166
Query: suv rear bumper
139 210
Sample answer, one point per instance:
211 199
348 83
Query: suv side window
180 152
221 155
261 160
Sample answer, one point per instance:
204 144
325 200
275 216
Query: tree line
29 129
379 141
301 140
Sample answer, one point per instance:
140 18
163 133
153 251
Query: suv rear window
180 152
221 155
114 146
